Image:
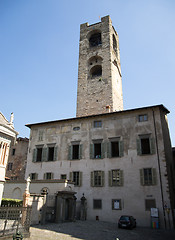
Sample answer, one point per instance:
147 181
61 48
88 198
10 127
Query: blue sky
39 46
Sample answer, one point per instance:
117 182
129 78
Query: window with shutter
116 177
76 177
75 151
145 145
148 176
97 179
39 154
97 149
115 148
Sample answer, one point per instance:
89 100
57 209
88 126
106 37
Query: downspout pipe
158 161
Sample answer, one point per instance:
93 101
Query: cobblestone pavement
93 230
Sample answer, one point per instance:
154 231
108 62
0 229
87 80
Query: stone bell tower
99 74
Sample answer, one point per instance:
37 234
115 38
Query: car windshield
125 218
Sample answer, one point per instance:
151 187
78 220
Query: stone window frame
119 202
143 117
97 203
148 176
120 147
33 176
48 176
112 181
76 177
140 144
72 155
97 178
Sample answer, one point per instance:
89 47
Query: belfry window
114 44
96 71
95 40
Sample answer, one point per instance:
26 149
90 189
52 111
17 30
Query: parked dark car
126 221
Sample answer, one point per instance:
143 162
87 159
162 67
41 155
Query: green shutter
110 178
103 148
121 178
70 153
71 176
92 179
44 177
141 177
55 153
34 155
154 177
36 176
102 178
52 175
108 145
152 145
91 151
44 154
80 151
121 149
139 152
80 179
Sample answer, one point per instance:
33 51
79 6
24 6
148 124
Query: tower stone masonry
99 73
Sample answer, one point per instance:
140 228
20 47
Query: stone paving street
93 230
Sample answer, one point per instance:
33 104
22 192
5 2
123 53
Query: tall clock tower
99 73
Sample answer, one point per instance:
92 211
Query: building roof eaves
97 115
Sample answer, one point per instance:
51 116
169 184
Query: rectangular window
48 175
115 149
75 151
40 135
97 124
116 204
63 176
76 177
116 177
97 150
97 178
143 118
50 153
13 151
148 176
145 145
33 176
9 166
39 154
97 204
150 203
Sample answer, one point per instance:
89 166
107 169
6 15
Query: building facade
7 138
16 166
119 159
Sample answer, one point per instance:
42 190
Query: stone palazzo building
119 159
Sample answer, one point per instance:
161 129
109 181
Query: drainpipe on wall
160 177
